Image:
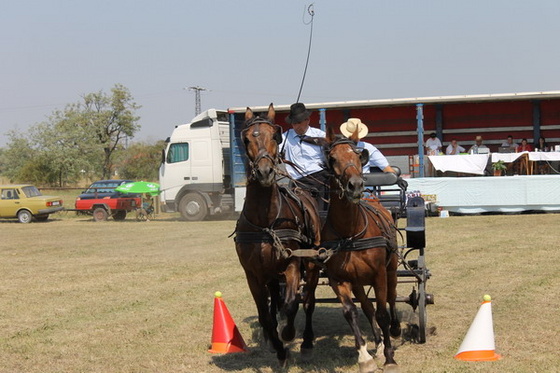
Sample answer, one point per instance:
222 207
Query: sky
252 53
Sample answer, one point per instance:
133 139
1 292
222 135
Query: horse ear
278 134
248 114
364 157
271 113
330 135
356 135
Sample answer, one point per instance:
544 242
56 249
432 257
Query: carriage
278 233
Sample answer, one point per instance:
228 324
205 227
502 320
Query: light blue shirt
376 158
308 157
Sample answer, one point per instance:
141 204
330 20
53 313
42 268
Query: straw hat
349 127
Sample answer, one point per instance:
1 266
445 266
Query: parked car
25 202
101 200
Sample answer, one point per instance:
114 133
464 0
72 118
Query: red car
101 200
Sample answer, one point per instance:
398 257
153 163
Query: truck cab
195 173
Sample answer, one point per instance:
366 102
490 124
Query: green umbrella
139 187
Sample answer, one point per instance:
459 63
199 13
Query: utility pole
197 91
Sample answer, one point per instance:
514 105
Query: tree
109 120
141 161
85 136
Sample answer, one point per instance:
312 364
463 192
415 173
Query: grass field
79 296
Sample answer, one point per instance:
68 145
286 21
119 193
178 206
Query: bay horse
362 238
277 233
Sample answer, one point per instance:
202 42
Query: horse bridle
263 153
338 178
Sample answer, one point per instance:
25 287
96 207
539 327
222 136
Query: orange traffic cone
225 336
478 344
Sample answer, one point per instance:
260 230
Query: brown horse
277 232
363 239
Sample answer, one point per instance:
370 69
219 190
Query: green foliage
499 166
81 140
141 161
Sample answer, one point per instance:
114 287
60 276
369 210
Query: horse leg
343 291
392 296
286 328
369 311
311 281
382 316
260 296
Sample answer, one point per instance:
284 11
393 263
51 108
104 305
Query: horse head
261 138
345 162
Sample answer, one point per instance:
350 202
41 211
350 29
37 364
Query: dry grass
79 296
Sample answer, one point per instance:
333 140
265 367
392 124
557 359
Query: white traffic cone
478 344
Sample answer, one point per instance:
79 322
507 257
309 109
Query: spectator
454 148
542 145
509 143
433 145
524 146
477 146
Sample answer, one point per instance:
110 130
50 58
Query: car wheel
119 215
24 216
42 217
100 214
193 207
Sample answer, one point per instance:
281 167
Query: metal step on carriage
412 244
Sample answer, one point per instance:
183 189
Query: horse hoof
288 334
391 368
368 366
395 331
306 354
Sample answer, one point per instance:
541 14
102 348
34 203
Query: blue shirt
376 158
308 157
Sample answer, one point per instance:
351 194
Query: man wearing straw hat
376 158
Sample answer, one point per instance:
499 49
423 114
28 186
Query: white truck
196 174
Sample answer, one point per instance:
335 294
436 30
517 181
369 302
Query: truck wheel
193 207
100 214
119 215
24 216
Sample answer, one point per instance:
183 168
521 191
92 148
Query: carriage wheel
422 314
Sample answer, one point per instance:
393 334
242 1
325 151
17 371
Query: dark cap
432 135
298 113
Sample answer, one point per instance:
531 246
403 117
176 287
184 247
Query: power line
197 91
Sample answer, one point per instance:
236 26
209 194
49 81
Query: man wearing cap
376 158
307 156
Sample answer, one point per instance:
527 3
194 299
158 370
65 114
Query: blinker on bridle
263 153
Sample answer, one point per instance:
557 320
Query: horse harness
358 242
262 153
304 234
276 236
